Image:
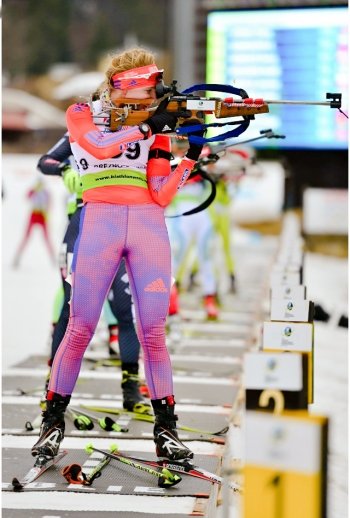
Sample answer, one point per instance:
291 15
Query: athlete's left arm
163 183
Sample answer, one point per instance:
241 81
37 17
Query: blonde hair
132 58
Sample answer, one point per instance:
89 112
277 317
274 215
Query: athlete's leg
65 261
180 233
129 346
224 231
113 327
47 239
223 226
57 305
24 241
149 270
121 306
97 255
148 264
205 242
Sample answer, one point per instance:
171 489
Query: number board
292 337
285 465
266 373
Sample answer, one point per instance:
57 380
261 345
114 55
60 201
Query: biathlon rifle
188 106
191 109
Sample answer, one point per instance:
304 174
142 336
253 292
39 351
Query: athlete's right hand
163 122
71 180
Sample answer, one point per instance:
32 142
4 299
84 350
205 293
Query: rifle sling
195 139
205 204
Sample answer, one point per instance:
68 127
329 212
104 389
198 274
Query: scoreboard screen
291 54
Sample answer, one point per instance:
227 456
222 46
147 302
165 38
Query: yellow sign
285 465
276 494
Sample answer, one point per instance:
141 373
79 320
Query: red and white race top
115 166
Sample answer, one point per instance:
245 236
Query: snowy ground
28 292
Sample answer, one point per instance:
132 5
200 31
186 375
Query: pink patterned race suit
126 185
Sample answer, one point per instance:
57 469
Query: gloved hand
162 121
71 180
195 150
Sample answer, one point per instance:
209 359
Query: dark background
39 33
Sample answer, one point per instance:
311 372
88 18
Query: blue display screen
295 54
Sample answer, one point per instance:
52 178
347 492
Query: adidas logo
166 128
157 286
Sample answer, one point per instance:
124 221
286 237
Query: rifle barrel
319 103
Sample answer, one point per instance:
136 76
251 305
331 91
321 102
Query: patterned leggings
119 300
107 233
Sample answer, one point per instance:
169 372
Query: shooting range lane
207 362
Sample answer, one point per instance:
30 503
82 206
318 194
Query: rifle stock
243 109
131 112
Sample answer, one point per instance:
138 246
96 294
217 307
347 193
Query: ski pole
150 419
165 477
106 423
32 425
74 474
80 421
186 468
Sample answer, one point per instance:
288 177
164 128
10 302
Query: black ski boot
133 401
168 445
52 426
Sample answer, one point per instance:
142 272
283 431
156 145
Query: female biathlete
39 198
127 182
56 162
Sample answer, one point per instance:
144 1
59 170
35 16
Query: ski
150 419
165 477
186 468
41 465
74 473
